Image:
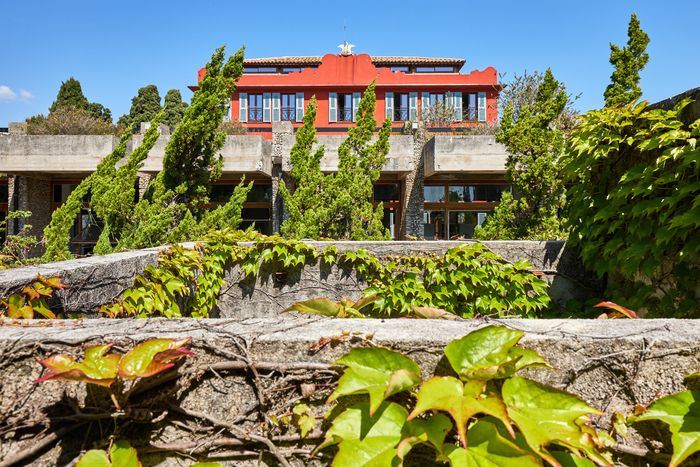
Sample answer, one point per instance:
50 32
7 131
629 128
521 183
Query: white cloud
25 95
6 94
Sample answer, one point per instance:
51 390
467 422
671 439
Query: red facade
275 92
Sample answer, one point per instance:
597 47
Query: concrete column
280 132
412 218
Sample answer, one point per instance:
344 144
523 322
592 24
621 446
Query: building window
389 194
345 108
469 107
453 210
401 108
404 69
257 209
435 69
257 69
255 107
288 107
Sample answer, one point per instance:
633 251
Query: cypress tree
174 108
306 204
144 106
70 96
534 145
628 62
350 213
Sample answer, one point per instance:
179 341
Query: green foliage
681 412
32 299
121 454
306 204
57 233
174 108
467 281
534 145
70 96
485 413
339 205
70 121
15 250
144 107
628 62
350 214
633 205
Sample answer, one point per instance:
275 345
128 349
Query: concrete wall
53 153
95 280
462 154
399 160
611 365
242 154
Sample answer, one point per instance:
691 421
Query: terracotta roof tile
377 60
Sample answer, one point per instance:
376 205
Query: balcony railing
289 114
255 114
401 114
345 115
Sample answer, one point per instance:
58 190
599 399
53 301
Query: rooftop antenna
345 47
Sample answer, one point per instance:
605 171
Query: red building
408 89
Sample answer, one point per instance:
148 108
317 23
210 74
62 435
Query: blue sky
114 48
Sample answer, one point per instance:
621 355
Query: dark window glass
401 110
472 193
434 225
469 111
387 192
221 193
4 193
288 110
345 107
462 223
255 107
434 194
259 217
260 194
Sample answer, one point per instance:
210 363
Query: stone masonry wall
246 371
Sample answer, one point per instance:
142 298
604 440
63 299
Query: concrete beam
476 154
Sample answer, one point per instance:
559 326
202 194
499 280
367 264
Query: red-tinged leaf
152 357
53 282
30 292
42 289
623 312
96 368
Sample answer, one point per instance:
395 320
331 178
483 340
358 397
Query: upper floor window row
273 69
270 107
451 106
422 69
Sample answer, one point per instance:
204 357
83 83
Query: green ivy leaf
487 353
317 306
547 415
681 412
378 372
461 400
489 447
566 459
432 431
365 439
96 368
121 454
152 357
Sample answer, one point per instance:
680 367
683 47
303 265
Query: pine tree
534 145
174 108
306 204
628 62
351 214
144 106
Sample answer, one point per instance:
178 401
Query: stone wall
246 371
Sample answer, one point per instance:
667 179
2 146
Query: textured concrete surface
95 280
613 365
464 154
53 153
